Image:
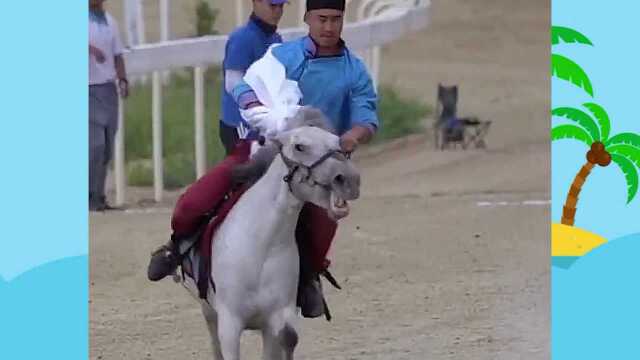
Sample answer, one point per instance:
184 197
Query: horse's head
319 172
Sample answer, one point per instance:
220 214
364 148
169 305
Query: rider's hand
359 134
349 142
258 117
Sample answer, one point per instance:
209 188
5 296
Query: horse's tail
288 338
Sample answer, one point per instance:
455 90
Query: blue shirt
244 46
339 86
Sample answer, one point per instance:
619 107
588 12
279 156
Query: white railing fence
378 22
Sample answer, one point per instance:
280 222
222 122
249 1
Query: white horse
255 262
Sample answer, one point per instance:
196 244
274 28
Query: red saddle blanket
206 241
215 188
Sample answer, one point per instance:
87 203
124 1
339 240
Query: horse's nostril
339 179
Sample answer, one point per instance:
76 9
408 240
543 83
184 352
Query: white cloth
106 38
278 95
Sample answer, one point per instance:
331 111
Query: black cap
325 4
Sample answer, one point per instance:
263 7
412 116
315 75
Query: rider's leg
314 235
201 197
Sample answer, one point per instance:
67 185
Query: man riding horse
331 79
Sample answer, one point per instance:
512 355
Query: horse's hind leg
212 324
271 348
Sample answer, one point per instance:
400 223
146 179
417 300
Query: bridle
294 166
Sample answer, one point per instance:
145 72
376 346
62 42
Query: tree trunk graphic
569 210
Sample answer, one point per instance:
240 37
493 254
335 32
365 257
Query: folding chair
449 129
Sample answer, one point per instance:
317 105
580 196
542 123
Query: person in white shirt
107 74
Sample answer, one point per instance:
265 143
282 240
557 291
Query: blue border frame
43 152
595 297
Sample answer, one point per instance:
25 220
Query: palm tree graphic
592 127
564 68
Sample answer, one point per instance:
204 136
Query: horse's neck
268 206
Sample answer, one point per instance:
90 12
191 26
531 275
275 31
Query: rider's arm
244 96
231 79
363 106
238 58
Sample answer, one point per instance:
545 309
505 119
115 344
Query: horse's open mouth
339 206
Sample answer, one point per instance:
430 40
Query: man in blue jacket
245 45
335 81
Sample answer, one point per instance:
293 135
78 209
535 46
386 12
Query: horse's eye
299 147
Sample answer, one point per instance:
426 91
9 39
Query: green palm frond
632 153
569 131
624 138
567 70
630 174
603 119
567 35
582 118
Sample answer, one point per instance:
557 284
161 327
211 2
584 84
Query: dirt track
445 256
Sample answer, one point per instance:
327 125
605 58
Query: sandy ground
446 255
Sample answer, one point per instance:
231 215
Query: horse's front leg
229 330
211 318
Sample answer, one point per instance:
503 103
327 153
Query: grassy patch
399 116
178 129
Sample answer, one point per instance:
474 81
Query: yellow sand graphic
572 241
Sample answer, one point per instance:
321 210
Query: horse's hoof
177 278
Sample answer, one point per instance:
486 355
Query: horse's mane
251 171
309 116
